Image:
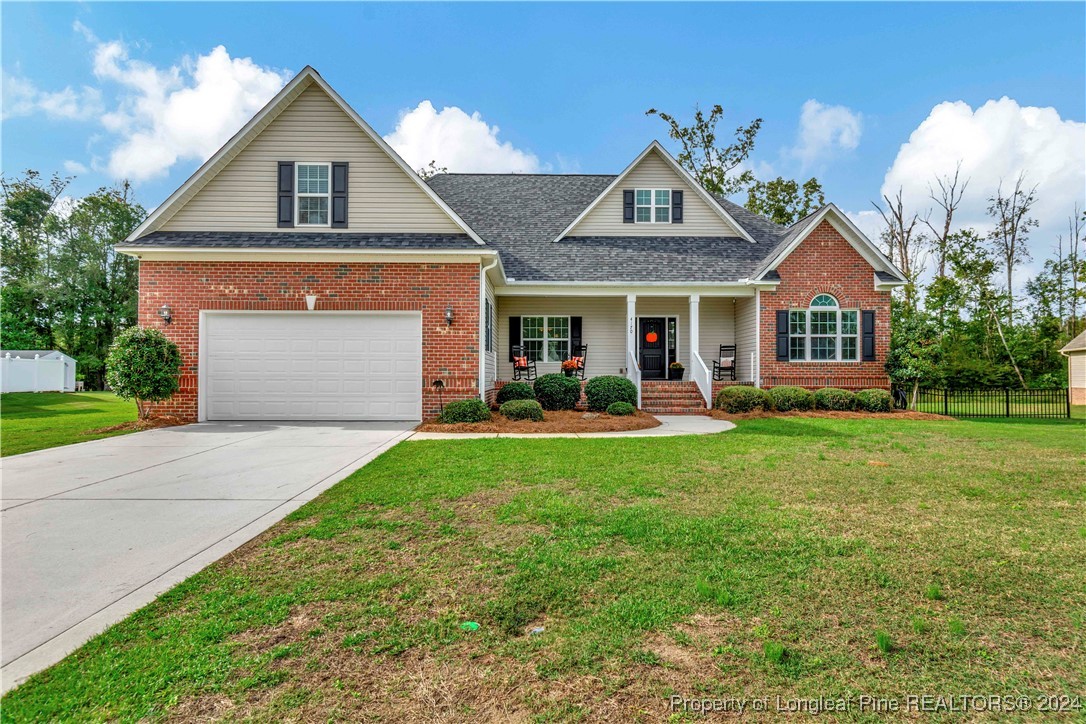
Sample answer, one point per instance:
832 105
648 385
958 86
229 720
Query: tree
143 365
95 289
913 357
781 200
904 241
948 199
1012 224
712 165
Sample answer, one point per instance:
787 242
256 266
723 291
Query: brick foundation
825 263
449 353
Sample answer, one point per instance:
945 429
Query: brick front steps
664 397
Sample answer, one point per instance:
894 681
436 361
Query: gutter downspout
482 326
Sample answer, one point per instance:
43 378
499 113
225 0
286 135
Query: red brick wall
825 262
449 353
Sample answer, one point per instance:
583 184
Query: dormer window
652 206
314 193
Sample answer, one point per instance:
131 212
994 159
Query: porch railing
700 372
635 375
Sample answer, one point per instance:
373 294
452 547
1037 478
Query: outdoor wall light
449 315
166 313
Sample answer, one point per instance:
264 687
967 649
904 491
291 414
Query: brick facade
825 263
449 353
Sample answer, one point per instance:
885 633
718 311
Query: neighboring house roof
1078 344
299 240
307 77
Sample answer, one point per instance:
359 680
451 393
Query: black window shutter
285 188
782 335
514 335
867 328
627 207
574 334
339 195
676 207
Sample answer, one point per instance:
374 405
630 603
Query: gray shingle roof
521 215
302 240
887 276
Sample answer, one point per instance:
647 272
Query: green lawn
37 420
791 556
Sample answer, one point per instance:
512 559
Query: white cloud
997 141
824 129
184 112
456 141
74 167
23 98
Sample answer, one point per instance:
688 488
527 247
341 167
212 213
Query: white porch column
631 332
695 327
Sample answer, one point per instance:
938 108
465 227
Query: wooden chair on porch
580 355
523 368
724 364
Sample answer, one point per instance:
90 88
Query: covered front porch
636 334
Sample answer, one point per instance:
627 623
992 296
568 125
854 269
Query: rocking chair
523 368
580 355
724 364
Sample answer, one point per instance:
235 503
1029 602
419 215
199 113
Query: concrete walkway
670 425
94 531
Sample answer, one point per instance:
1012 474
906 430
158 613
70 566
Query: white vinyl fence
36 374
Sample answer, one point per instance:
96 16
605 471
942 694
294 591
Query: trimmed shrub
741 398
143 365
522 410
873 401
831 398
602 391
515 391
788 398
621 409
557 392
474 410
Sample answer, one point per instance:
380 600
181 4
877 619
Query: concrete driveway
93 531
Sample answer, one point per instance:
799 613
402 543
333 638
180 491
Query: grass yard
37 420
791 556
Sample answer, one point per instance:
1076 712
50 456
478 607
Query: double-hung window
652 206
488 326
824 332
313 193
545 339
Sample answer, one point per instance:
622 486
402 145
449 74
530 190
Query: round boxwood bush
831 398
515 391
741 398
602 391
474 410
143 365
620 409
787 398
557 392
522 410
873 401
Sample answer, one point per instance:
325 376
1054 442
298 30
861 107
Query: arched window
823 332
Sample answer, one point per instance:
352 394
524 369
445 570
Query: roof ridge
555 175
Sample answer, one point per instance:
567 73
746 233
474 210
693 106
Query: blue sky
568 84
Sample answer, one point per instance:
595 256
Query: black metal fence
988 402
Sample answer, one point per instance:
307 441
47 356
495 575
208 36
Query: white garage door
312 366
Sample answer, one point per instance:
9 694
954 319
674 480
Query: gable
313 127
653 172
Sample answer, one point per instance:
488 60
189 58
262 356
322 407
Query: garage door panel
312 366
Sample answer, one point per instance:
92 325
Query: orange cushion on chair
520 361
579 361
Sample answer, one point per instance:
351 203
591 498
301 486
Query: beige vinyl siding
603 329
699 219
1076 370
717 327
381 197
745 338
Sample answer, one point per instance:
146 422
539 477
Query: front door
653 348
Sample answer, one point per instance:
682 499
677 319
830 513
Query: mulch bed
150 423
563 421
897 414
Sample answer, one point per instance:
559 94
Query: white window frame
488 325
837 336
298 195
652 206
546 339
